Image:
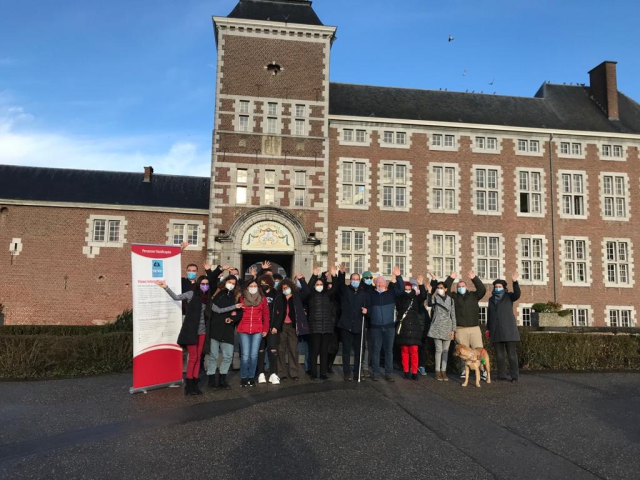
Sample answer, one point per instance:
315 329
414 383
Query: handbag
404 315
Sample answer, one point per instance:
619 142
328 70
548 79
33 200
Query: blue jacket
383 305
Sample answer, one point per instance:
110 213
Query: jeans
320 346
269 343
304 348
513 359
442 353
227 357
250 345
382 338
350 340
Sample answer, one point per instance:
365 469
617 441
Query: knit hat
500 282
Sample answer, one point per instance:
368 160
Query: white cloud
21 145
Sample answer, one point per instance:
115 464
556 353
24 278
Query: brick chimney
148 173
604 88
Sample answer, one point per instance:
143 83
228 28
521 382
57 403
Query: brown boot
444 376
439 376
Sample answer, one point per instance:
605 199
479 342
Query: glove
486 334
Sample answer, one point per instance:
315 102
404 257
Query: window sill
353 207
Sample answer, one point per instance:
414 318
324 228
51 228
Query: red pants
406 351
195 353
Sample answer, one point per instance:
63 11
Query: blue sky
122 84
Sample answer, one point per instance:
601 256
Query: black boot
223 385
187 386
415 377
406 375
212 383
195 389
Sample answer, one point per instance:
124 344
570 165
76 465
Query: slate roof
563 107
289 11
101 187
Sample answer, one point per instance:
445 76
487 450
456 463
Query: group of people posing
271 314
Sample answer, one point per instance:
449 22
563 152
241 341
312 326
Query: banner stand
156 387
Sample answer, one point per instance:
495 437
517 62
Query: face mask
204 287
287 291
368 281
462 290
441 292
230 286
355 284
407 292
265 288
498 290
298 284
319 288
275 284
253 290
191 275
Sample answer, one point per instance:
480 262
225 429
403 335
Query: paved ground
550 426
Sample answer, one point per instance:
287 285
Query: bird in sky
451 38
464 74
491 83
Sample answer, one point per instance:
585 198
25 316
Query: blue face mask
275 284
192 275
298 284
498 291
355 284
462 290
368 281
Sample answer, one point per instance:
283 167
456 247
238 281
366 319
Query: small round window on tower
273 68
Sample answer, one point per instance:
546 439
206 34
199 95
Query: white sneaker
262 378
483 375
274 379
463 374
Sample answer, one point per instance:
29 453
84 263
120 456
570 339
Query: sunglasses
368 278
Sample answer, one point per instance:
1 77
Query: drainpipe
552 183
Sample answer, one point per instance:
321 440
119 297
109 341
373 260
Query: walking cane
361 342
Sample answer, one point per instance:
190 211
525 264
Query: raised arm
212 276
481 290
304 288
183 296
515 295
342 286
449 281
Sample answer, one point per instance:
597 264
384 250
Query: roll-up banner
157 319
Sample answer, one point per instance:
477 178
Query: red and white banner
157 319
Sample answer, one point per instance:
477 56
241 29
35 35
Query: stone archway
268 230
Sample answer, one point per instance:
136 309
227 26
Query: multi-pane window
532 259
394 181
444 255
272 125
614 196
532 146
394 252
114 230
444 181
99 227
440 140
576 258
107 231
300 178
299 194
573 194
482 313
272 108
569 148
487 190
617 262
269 196
530 192
300 110
621 317
243 124
185 232
347 135
397 138
353 183
579 316
361 136
241 189
486 143
244 106
526 316
300 126
270 177
488 256
352 252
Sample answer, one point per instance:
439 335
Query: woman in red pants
408 328
194 328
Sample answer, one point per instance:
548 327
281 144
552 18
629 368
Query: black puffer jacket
217 328
412 327
321 309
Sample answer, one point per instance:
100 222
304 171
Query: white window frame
431 201
394 134
241 113
619 308
406 185
122 231
564 260
444 147
480 144
186 224
267 201
574 313
394 254
629 263
341 253
475 189
543 258
561 194
435 252
354 141
528 142
521 313
615 196
572 143
353 184
542 192
612 145
500 257
483 306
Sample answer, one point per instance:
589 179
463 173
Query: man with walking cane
355 304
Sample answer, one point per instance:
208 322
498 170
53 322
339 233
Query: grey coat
443 317
501 322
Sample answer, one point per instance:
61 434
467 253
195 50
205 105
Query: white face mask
319 288
441 292
230 286
253 290
287 291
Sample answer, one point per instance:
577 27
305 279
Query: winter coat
217 328
443 317
467 308
254 319
383 304
501 322
300 321
321 309
352 302
191 325
412 327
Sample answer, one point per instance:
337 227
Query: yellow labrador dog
476 358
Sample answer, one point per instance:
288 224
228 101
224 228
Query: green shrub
123 323
49 356
54 330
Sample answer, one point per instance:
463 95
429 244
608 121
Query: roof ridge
120 172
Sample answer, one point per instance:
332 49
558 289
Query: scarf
497 296
252 300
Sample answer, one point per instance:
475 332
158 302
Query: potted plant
550 314
1 314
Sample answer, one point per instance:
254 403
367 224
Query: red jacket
255 319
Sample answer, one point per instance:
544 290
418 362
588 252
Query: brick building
305 171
